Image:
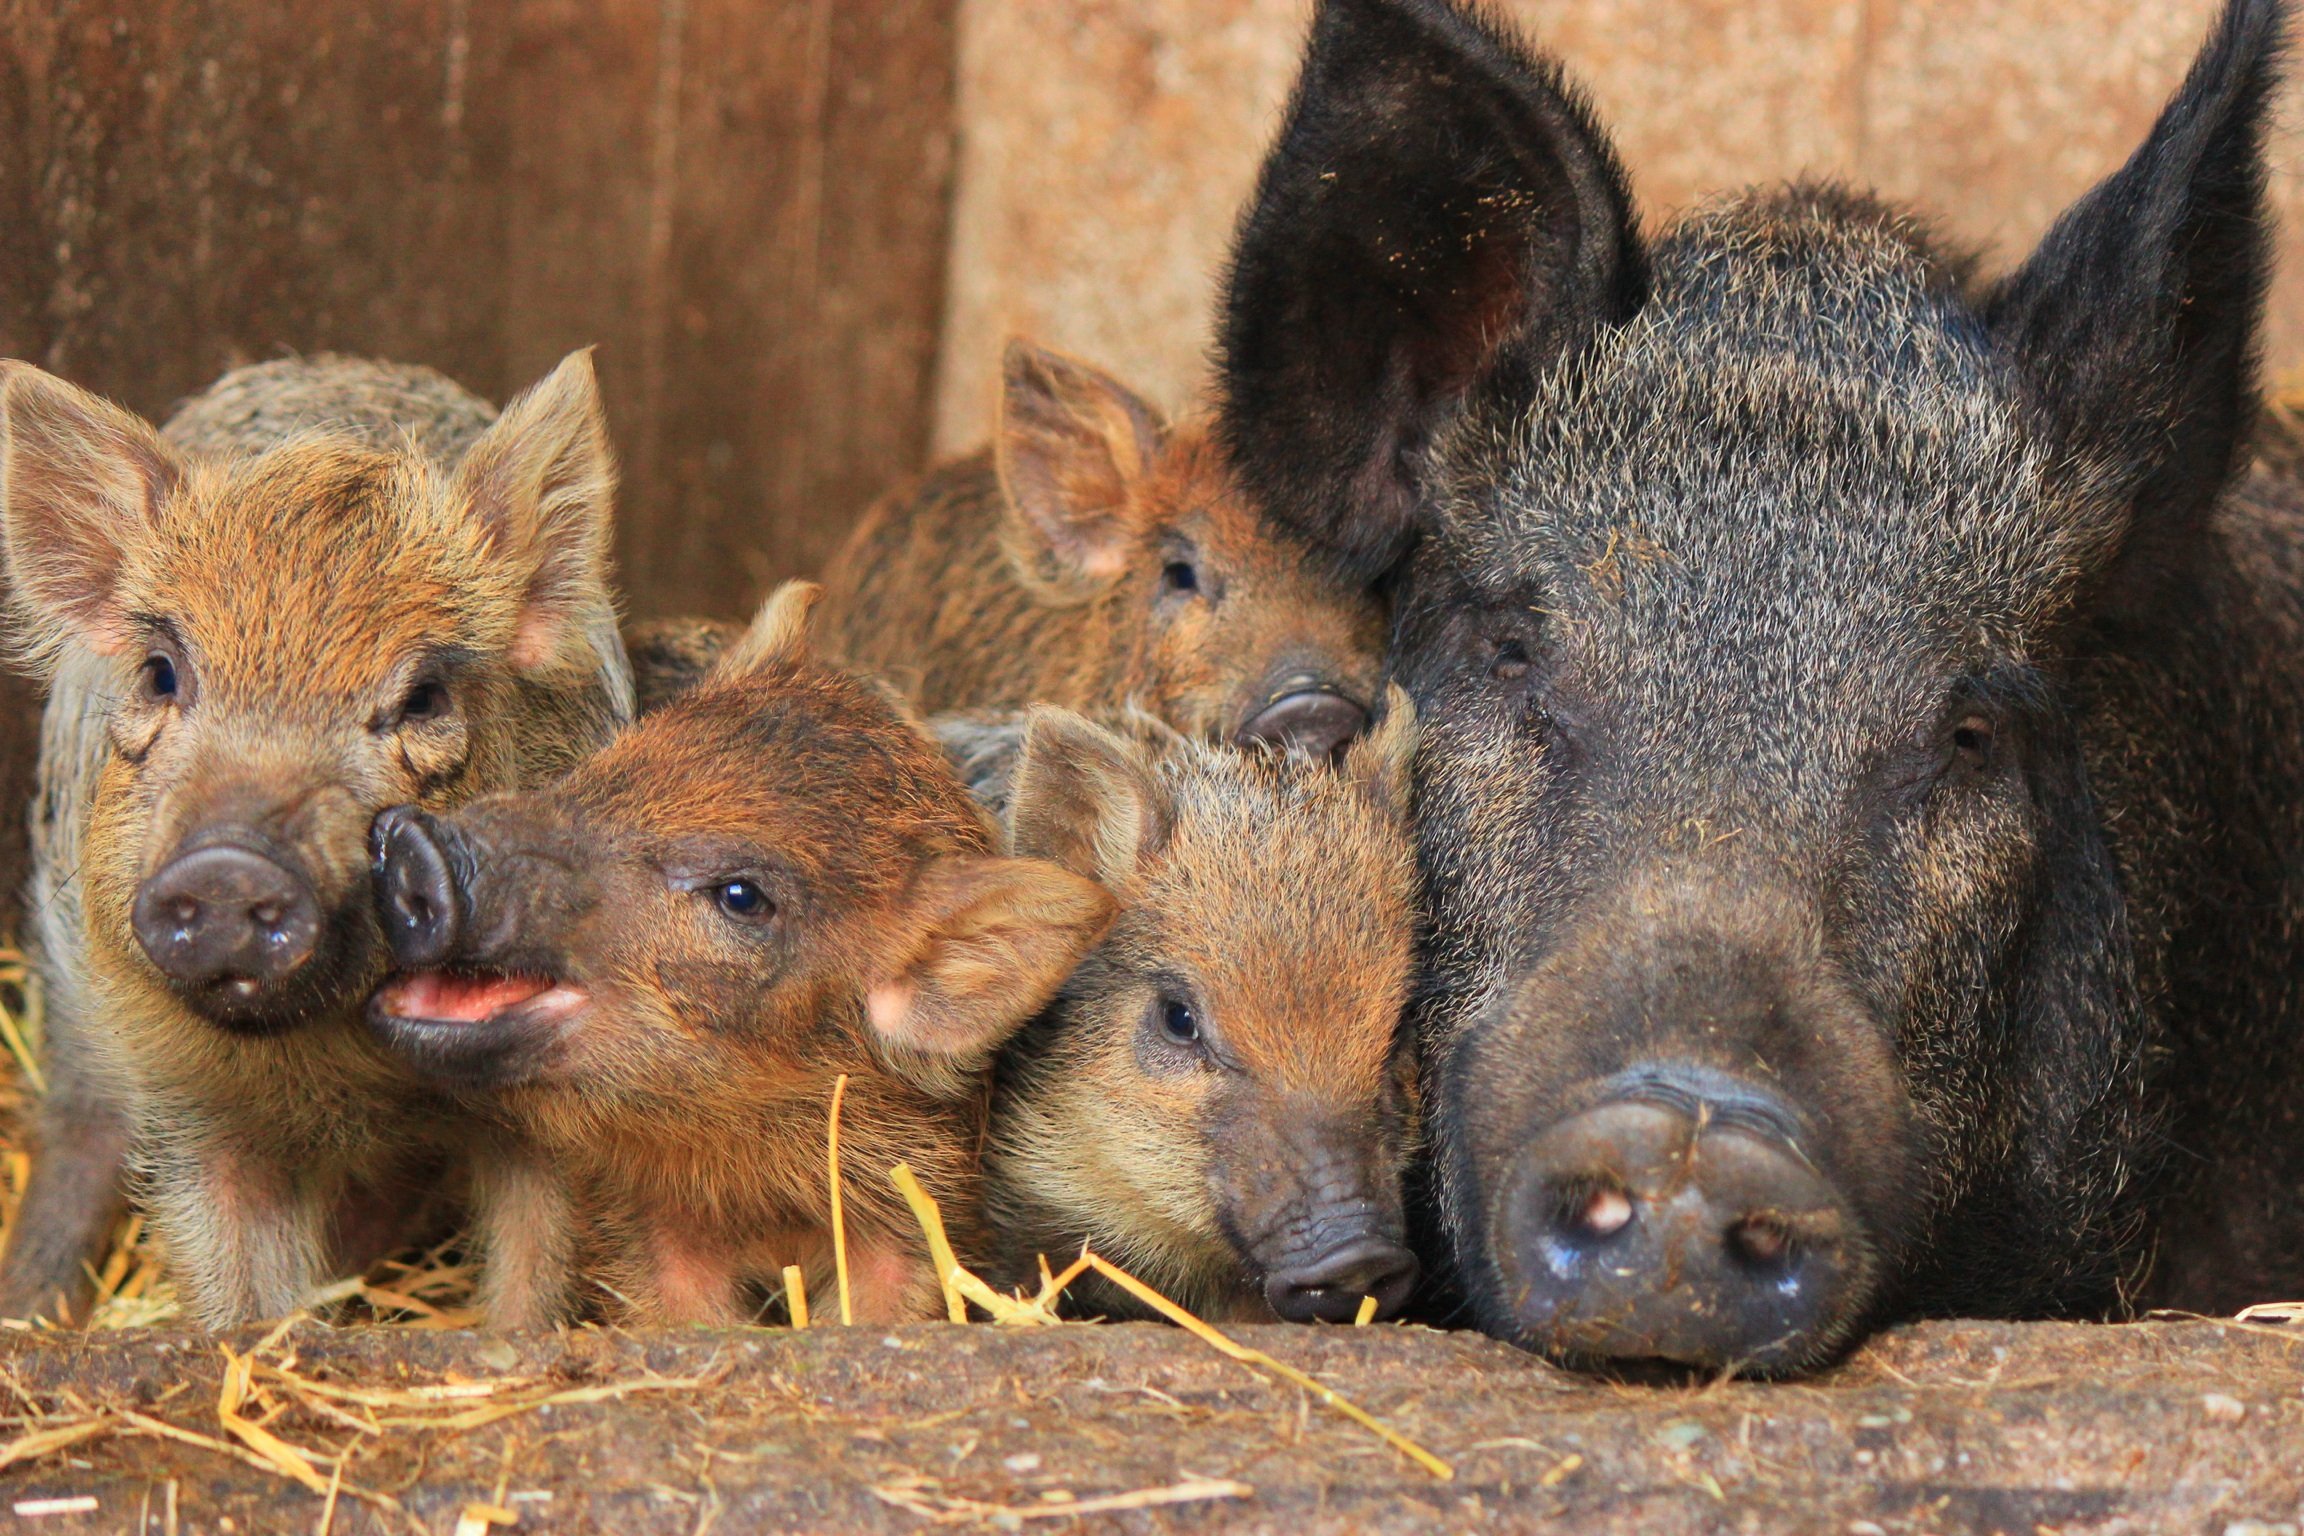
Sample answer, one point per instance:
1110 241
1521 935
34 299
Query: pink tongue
461 999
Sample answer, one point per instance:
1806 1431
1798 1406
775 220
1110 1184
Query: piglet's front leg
246 1237
528 1232
675 1276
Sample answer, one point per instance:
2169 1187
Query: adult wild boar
1097 556
327 587
1217 1098
1862 781
653 973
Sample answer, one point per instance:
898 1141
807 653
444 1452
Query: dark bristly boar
654 971
329 586
1096 557
1218 1099
1862 773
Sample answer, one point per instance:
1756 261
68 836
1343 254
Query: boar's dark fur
1863 722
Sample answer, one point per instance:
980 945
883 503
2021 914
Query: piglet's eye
1179 576
158 678
744 901
428 700
1178 1022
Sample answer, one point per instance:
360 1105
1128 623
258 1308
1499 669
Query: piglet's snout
1332 1288
1303 714
416 892
1334 1238
227 916
1658 1230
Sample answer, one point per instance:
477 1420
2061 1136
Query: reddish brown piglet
328 586
1217 1099
1098 556
653 974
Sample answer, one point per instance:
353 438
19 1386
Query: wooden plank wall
744 203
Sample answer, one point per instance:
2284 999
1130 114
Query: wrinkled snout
1677 1222
1332 1287
1304 713
1315 1210
231 922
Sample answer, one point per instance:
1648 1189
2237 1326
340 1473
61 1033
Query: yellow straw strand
1367 1312
1256 1357
931 1221
839 1219
796 1295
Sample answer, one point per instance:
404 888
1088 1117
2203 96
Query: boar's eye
427 700
1510 663
744 901
1972 742
158 679
1178 1022
1179 576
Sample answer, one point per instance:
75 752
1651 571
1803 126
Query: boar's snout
1330 1288
415 889
1304 713
1678 1222
229 922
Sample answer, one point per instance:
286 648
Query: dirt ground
2031 1429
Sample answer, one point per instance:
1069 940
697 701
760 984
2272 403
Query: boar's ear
1073 444
991 941
81 483
2135 322
778 633
1439 213
1083 797
1380 762
543 481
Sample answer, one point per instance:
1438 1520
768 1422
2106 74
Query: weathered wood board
2023 1429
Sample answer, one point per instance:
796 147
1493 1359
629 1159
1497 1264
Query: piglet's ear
778 634
543 482
1084 798
1439 215
82 482
992 941
1073 446
2135 322
1382 761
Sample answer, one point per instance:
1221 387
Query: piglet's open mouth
473 1028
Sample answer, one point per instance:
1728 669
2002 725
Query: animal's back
923 593
380 405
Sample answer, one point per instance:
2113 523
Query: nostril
1761 1242
1604 1213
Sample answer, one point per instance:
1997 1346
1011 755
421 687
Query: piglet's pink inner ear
1073 446
994 939
543 480
82 483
